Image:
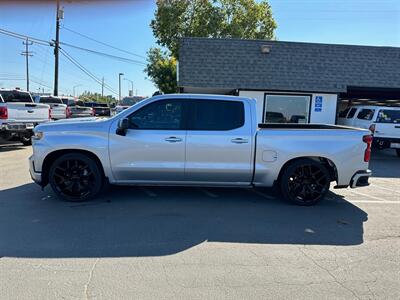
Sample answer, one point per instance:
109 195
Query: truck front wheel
305 182
75 177
26 140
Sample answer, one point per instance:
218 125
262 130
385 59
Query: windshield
50 100
388 116
16 96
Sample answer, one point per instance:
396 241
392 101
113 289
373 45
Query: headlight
37 135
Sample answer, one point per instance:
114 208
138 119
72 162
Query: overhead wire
100 42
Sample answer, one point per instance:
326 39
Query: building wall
325 114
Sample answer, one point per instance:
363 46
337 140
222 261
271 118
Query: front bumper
36 176
360 178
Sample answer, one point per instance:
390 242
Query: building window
287 109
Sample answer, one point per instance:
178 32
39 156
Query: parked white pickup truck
19 115
58 109
198 140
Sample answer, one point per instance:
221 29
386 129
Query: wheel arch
329 164
52 156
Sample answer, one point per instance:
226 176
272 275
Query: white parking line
373 201
262 194
384 188
366 195
208 193
148 192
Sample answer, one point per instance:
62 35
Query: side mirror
123 126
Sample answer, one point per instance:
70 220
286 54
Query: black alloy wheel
305 182
75 177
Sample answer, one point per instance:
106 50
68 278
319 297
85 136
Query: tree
175 19
96 97
161 68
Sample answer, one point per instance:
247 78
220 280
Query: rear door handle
240 141
173 139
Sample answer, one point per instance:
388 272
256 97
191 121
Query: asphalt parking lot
180 243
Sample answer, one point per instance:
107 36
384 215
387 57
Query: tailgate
387 130
25 112
81 110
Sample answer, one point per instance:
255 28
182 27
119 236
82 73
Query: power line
86 71
124 59
102 43
51 44
25 37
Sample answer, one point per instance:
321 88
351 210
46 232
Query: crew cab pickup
58 110
198 140
19 115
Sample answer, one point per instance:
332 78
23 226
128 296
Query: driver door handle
173 139
240 141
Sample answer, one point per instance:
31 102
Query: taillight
49 113
68 112
372 128
368 140
3 113
93 112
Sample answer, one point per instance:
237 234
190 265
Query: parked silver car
198 140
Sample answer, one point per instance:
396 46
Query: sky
125 25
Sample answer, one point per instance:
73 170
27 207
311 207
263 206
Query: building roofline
288 42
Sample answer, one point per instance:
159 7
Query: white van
383 121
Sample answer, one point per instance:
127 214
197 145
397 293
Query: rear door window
352 113
216 115
366 114
388 116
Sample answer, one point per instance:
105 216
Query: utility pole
59 16
26 53
102 87
119 86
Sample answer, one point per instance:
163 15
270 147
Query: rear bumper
36 176
360 178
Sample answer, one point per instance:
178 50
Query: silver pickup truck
198 140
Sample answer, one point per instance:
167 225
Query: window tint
352 113
163 114
16 96
366 114
217 115
388 116
343 113
50 100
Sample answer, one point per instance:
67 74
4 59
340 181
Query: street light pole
75 86
119 86
131 85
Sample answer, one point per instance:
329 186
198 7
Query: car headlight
37 135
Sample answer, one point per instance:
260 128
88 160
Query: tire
76 177
305 182
26 140
398 152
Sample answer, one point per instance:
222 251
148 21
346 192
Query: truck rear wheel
75 177
305 182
